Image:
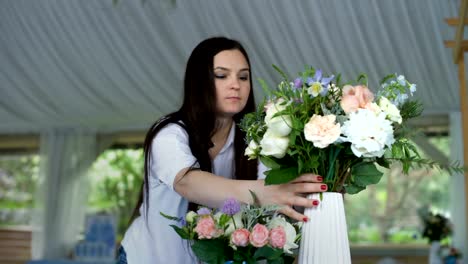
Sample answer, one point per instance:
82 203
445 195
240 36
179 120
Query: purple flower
204 211
297 83
230 207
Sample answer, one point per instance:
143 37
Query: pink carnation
206 228
259 236
277 237
355 97
322 130
240 237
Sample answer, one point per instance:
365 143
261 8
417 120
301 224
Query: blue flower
412 88
182 221
318 85
401 80
230 207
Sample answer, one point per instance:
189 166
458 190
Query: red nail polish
320 178
305 219
323 187
315 202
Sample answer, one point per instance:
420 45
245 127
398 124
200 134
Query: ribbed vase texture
325 235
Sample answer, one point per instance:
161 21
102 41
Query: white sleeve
261 168
170 153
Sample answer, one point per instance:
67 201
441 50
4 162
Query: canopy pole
464 123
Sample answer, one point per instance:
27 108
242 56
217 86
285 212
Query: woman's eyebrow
226 69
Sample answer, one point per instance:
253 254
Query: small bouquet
436 227
450 255
315 124
239 233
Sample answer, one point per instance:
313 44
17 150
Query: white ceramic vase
434 257
325 235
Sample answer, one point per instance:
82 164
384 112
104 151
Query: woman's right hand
293 194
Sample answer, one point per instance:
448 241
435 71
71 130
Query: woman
196 156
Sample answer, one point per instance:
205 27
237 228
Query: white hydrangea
369 133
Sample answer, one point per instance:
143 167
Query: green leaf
224 219
365 174
212 251
279 176
280 72
264 86
353 189
269 162
181 232
254 197
268 253
169 217
383 162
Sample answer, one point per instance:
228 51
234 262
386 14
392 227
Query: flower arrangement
239 233
315 124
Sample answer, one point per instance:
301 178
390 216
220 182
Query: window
18 179
388 211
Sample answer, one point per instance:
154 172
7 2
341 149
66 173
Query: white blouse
153 240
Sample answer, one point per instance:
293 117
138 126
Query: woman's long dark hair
197 115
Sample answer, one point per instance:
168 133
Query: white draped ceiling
105 67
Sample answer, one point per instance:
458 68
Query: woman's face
232 81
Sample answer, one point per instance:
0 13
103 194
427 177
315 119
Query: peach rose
322 130
259 235
355 97
240 237
206 228
277 237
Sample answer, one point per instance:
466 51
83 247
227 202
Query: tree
116 178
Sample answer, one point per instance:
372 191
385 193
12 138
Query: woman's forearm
210 190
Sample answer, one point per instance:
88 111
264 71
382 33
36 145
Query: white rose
238 220
190 216
273 145
368 133
252 150
390 109
289 230
279 125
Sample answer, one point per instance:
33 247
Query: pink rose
259 236
206 228
355 97
277 237
240 237
322 130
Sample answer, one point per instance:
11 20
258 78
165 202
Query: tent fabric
111 67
